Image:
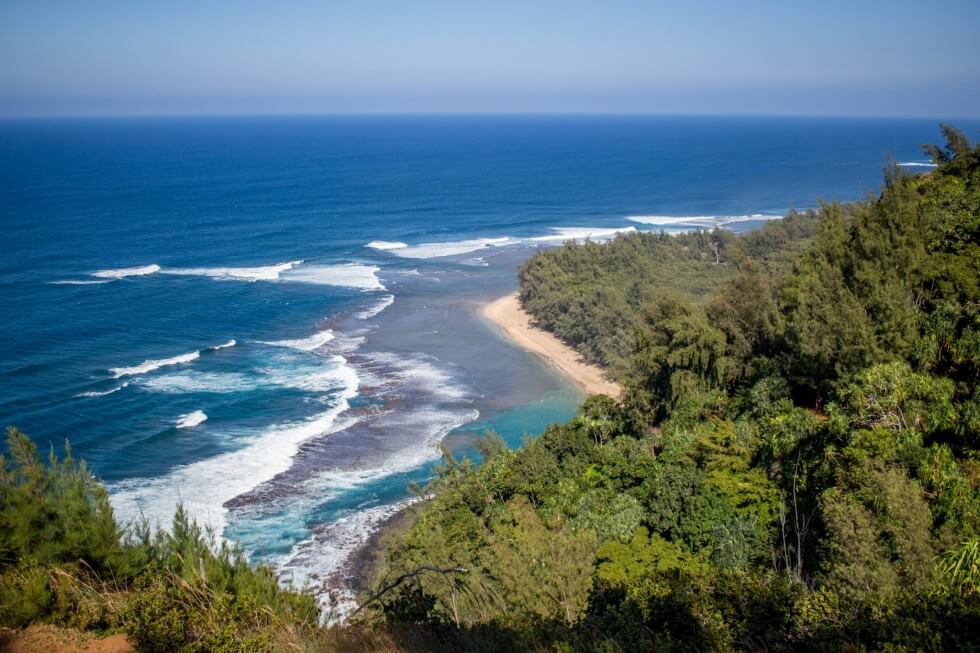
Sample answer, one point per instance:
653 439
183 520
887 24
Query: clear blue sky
823 57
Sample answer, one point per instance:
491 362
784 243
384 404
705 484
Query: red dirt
41 638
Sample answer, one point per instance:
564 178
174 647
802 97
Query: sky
759 57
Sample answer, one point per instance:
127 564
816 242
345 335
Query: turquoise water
275 320
518 424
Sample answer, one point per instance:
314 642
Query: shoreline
507 314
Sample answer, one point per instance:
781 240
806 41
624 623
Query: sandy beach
507 314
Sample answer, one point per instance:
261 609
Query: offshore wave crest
700 221
122 273
258 273
350 275
558 235
150 365
103 393
80 282
386 244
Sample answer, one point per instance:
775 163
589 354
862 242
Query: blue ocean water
274 320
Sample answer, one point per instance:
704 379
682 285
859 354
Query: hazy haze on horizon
879 58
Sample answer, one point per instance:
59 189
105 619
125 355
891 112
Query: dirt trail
43 638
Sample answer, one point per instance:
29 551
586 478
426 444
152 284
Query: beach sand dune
507 314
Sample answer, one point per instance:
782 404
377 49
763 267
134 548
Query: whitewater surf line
557 236
204 486
349 275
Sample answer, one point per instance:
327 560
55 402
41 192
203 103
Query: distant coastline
507 314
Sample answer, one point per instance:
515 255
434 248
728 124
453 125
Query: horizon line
457 114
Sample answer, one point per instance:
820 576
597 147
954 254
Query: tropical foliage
794 465
64 559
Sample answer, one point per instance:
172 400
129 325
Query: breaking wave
96 393
558 235
452 248
350 275
699 221
258 273
191 419
579 234
385 245
206 485
311 343
150 365
122 273
374 310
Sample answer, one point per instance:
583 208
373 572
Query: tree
544 572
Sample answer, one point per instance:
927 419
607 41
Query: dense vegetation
592 295
64 559
794 465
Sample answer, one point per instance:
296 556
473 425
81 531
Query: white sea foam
192 381
438 421
139 271
458 247
699 221
150 365
309 378
349 275
191 419
579 234
206 485
311 343
258 273
224 345
670 219
918 164
385 245
399 439
420 373
451 248
377 307
327 552
96 393
352 275
347 342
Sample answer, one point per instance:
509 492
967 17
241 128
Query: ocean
274 320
